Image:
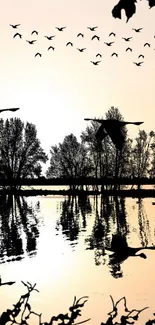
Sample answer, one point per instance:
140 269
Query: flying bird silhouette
51 47
69 43
95 62
9 109
95 36
98 54
116 54
138 63
148 44
141 56
92 28
81 50
109 44
31 42
38 54
60 28
80 34
128 49
34 32
15 26
137 30
127 39
17 34
49 37
113 128
112 34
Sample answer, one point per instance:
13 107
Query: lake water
61 243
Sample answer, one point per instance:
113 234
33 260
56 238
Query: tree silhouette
20 150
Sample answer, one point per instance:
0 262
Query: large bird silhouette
121 250
9 109
113 128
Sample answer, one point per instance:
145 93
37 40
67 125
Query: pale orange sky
57 91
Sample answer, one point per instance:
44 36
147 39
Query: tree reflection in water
70 222
18 228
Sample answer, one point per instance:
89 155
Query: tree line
21 154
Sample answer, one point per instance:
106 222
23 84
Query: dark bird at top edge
80 34
15 26
92 28
60 28
128 6
17 34
112 33
113 128
137 30
9 109
34 32
127 39
95 62
109 44
95 36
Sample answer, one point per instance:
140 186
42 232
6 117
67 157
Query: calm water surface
61 244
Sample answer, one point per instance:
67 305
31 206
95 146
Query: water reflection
18 228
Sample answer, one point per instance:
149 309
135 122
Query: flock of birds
81 35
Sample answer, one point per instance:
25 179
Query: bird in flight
148 44
15 26
128 49
127 39
137 30
49 37
80 34
109 44
17 34
113 128
95 36
138 63
38 54
92 28
141 56
98 54
95 62
31 42
69 43
34 32
81 50
60 28
51 47
116 54
9 109
112 34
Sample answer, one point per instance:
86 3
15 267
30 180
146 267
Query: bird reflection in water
121 251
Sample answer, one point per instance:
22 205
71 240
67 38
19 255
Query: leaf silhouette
128 6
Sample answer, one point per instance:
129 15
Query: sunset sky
57 91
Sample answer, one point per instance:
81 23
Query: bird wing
94 119
116 135
9 109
